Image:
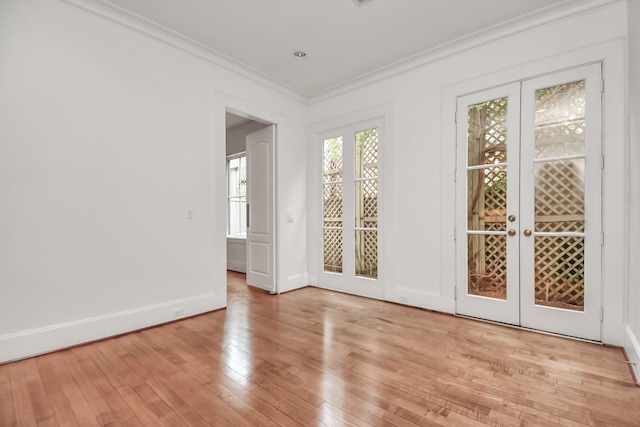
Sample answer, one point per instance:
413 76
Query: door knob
511 232
527 233
512 218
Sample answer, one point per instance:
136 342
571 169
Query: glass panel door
560 202
528 178
487 217
351 195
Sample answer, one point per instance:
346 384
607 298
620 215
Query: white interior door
529 203
261 270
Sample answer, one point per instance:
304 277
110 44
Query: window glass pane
487 132
560 120
237 197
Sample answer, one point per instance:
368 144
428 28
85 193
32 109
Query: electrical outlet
178 312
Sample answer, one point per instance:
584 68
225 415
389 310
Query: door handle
247 205
527 233
511 232
511 218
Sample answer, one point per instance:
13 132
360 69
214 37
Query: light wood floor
319 358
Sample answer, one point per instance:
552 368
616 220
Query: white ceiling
343 41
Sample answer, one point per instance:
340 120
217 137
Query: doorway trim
615 146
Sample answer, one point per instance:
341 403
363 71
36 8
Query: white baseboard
632 347
34 342
293 282
237 266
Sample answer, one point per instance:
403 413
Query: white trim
632 348
159 32
38 341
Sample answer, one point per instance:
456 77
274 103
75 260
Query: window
237 196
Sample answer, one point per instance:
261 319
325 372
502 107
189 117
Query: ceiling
343 40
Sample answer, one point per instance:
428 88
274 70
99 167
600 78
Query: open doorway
245 148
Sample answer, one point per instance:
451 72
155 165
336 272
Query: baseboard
237 266
293 282
34 342
632 348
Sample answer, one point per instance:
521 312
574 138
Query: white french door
528 224
350 222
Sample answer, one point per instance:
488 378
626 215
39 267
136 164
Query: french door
350 223
528 216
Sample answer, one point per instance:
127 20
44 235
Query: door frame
615 146
347 281
518 308
384 114
227 104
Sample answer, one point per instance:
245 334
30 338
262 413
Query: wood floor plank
320 358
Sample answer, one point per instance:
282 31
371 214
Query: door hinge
601 85
601 314
455 234
456 117
602 162
455 292
602 239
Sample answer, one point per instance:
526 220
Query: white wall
633 300
107 137
419 149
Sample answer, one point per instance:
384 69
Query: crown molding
550 14
150 28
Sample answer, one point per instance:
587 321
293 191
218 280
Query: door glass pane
487 265
560 120
487 132
487 199
559 196
366 203
559 272
332 165
332 220
367 154
332 212
333 250
367 253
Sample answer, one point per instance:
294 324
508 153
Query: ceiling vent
361 2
